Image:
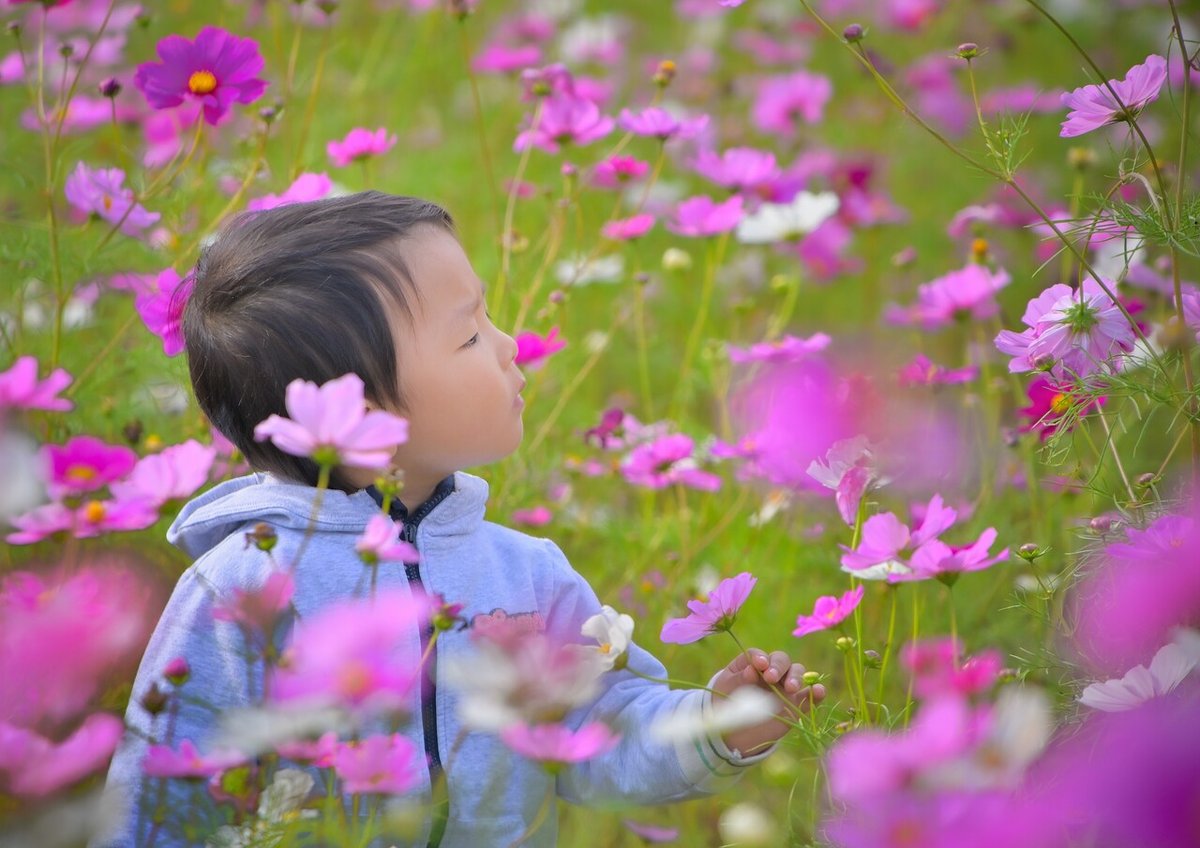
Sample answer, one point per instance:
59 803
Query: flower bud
177 671
811 677
967 50
854 33
328 6
665 73
14 28
66 50
1081 158
1029 551
447 616
110 87
979 250
263 537
1146 480
844 643
676 259
904 258
154 701
871 659
557 296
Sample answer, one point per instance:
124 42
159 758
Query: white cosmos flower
747 824
746 706
880 571
774 222
1167 670
613 632
579 270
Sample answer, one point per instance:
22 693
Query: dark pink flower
741 169
538 516
828 611
186 761
533 350
381 542
1093 106
715 614
937 559
360 144
378 765
556 744
625 229
304 188
938 668
922 372
36 766
502 59
667 461
217 69
565 119
618 171
787 349
21 389
102 192
85 464
699 216
784 101
661 124
967 294
1049 402
161 310
173 474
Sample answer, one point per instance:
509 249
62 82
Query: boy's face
457 370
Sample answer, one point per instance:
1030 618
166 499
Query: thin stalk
643 351
318 499
310 106
715 256
539 819
887 649
510 208
1116 455
477 101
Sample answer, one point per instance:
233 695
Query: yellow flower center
108 203
354 680
202 82
1060 403
81 473
605 647
94 512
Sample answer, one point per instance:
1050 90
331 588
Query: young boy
378 286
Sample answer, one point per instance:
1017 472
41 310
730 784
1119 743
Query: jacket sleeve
220 678
639 769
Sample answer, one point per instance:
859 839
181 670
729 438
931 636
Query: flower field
862 331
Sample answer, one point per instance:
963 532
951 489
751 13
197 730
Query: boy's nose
508 348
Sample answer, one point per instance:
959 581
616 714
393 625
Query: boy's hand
756 668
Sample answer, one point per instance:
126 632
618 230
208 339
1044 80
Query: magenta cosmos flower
714 615
257 610
380 542
700 216
102 192
784 101
787 349
1094 106
1069 332
85 464
922 371
828 611
187 761
626 229
886 540
937 559
217 70
38 766
306 187
667 461
360 144
661 124
849 469
565 119
161 308
330 424
741 169
379 765
556 744
969 293
20 387
1049 402
173 474
617 171
533 350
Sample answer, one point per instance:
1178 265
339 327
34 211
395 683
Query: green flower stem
953 621
485 152
716 254
893 591
510 208
1116 455
1186 110
643 350
860 675
916 621
540 818
326 469
310 106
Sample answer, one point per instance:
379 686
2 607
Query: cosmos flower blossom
1049 402
330 423
701 216
784 101
716 614
102 192
667 461
741 169
886 540
384 765
565 119
20 387
360 144
829 611
966 294
217 69
36 766
187 761
617 171
257 610
174 473
1093 106
613 632
1171 664
937 559
776 222
381 542
849 469
306 187
787 349
161 308
924 372
657 122
533 350
626 229
556 744
85 464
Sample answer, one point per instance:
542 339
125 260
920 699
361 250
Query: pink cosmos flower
934 79
1170 666
354 653
1191 312
32 766
319 752
556 744
937 559
657 122
555 78
164 133
161 310
80 115
1093 106
381 542
85 464
102 192
886 540
533 350
939 669
848 468
173 474
911 14
626 229
1019 100
378 765
217 69
968 294
360 144
565 119
700 216
667 461
741 169
714 615
1049 401
538 516
502 59
257 611
186 761
787 349
21 389
91 518
304 188
652 833
829 611
619 429
783 101
922 372
1069 332
330 424
618 171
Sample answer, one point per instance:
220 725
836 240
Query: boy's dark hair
300 291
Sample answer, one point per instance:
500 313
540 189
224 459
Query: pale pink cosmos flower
533 350
619 429
556 744
85 464
378 765
939 669
257 611
714 615
1093 106
502 59
849 469
21 389
741 169
187 761
700 216
626 229
360 144
787 349
924 372
112 515
81 114
565 119
330 423
937 559
537 516
887 540
963 295
1170 666
381 542
32 766
175 473
306 187
657 122
164 133
102 192
617 171
829 611
784 101
161 310
667 461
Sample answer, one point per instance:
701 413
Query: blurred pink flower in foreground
784 101
787 349
330 423
360 144
1170 666
161 309
85 464
89 519
565 119
385 765
256 611
217 69
667 461
700 216
187 761
716 614
21 389
659 123
381 542
923 372
173 474
305 187
102 192
1093 106
618 170
33 766
533 350
828 611
556 744
963 295
626 229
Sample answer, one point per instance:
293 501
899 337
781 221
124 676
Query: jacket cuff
707 762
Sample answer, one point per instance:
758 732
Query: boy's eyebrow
473 306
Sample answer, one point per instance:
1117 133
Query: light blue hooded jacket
494 572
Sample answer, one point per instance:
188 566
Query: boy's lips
518 400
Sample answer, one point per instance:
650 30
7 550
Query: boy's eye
472 340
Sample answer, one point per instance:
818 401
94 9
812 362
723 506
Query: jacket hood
209 518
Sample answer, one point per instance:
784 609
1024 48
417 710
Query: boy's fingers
742 661
778 665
